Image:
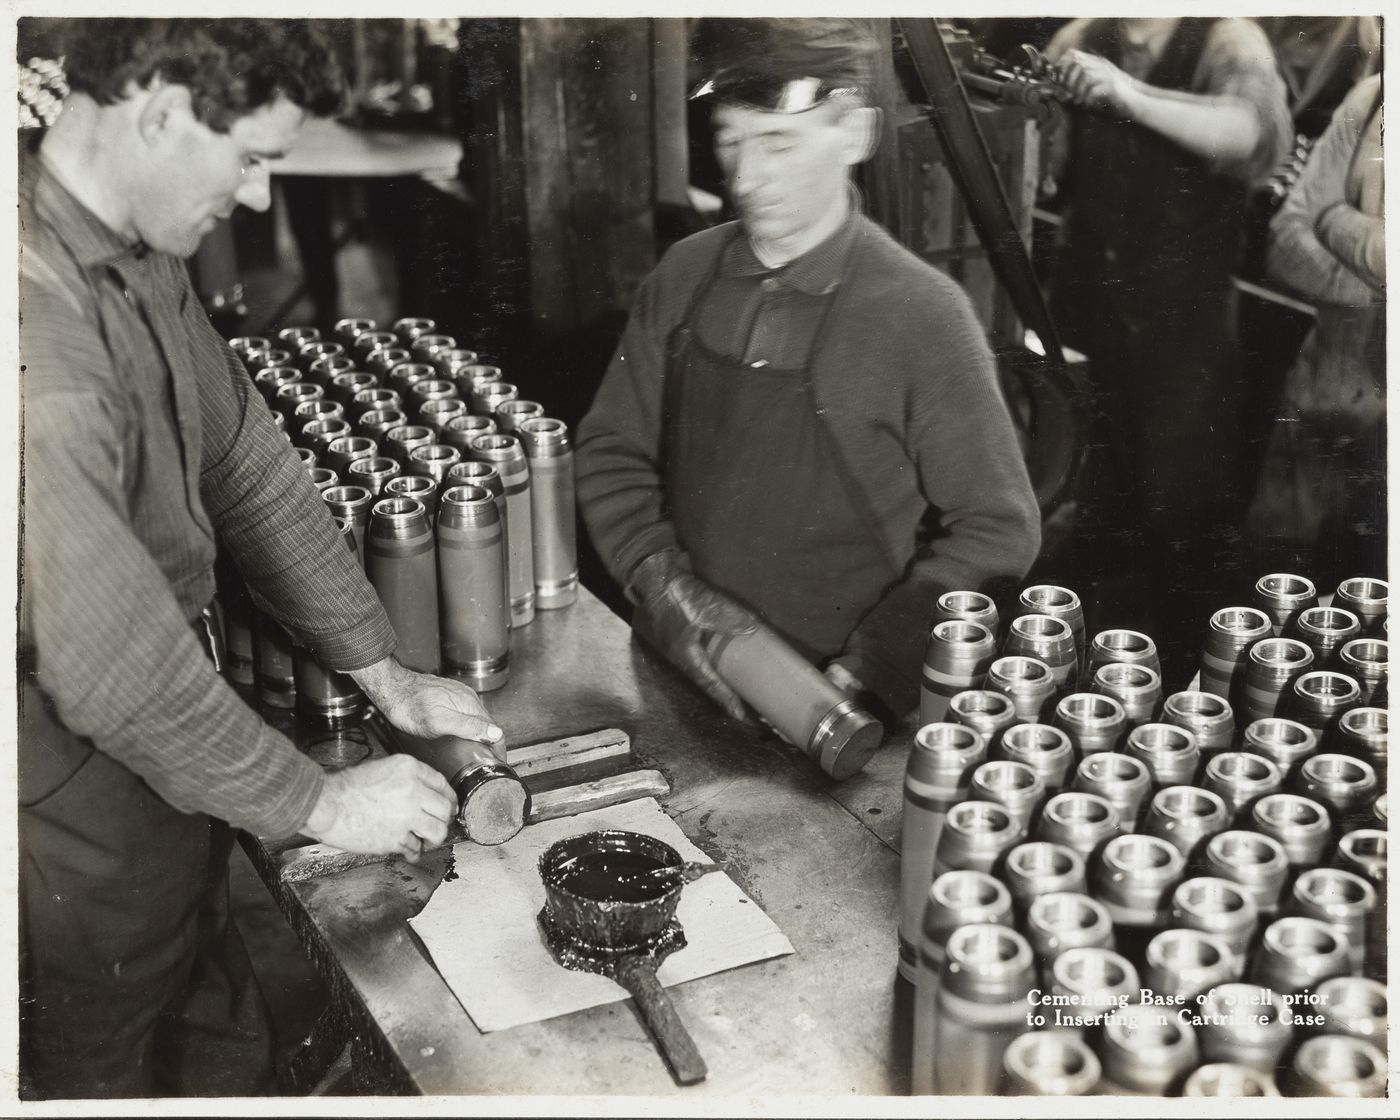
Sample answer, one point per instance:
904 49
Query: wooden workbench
819 858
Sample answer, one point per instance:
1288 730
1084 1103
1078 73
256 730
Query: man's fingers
715 688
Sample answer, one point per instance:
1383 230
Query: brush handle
638 975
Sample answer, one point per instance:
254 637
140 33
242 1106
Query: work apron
134 980
756 492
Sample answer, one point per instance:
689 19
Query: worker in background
802 421
1173 119
143 440
1320 507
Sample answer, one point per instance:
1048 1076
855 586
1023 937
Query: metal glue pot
579 871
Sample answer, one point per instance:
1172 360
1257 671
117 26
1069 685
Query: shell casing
449 362
1229 635
245 344
1325 630
1060 922
511 414
1240 779
280 423
349 329
427 347
340 453
1354 1006
554 521
951 901
1187 963
1058 602
404 376
1342 899
408 329
1219 907
969 606
1081 821
376 424
1013 785
428 390
956 660
1380 812
1089 982
421 488
1148 1049
1037 867
312 352
1364 733
325 698
1318 699
323 478
368 343
986 712
1185 817
974 837
1254 861
1299 953
1048 1064
326 370
461 430
488 396
468 377
439 413
1121 781
505 453
1122 647
272 358
400 559
1048 640
1094 722
373 473
1302 827
1272 666
1046 750
382 360
433 460
273 668
1363 850
1338 1066
1029 683
983 1000
1207 716
372 398
306 455
294 338
1368 599
1228 1079
353 504
1367 661
1284 742
1137 687
936 778
399 442
1169 752
1283 597
1134 879
318 435
310 412
1246 1025
295 393
236 611
474 601
1346 786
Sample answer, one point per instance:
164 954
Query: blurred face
193 176
787 172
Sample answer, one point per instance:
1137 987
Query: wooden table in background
820 858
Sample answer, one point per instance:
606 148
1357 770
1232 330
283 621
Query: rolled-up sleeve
1238 62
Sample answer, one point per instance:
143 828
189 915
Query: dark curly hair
231 67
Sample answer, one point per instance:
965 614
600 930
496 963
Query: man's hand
393 804
845 680
677 611
427 706
1096 83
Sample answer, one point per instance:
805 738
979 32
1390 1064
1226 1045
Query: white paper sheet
482 935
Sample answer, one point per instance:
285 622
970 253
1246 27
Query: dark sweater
907 385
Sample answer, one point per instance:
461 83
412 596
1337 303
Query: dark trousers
134 980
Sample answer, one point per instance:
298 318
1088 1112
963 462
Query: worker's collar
91 241
816 272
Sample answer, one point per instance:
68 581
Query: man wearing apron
802 421
144 439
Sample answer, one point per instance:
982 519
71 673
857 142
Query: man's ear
862 127
165 108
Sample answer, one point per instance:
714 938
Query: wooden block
575 750
600 794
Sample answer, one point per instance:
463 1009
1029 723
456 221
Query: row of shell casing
1094 823
457 496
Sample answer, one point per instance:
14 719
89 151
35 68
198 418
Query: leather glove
677 611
